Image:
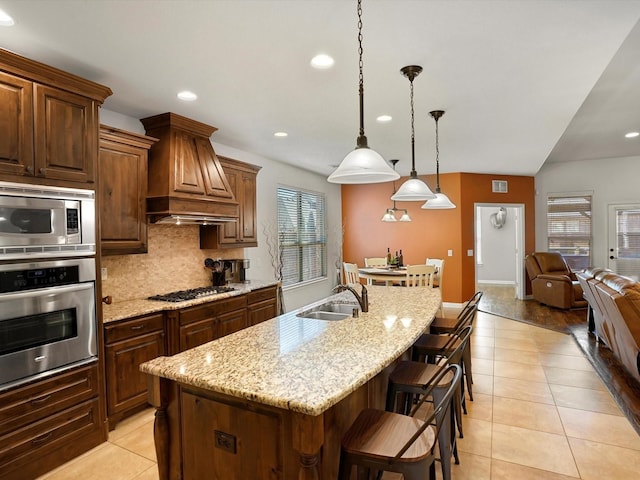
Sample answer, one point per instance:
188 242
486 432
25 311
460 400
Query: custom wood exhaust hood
186 181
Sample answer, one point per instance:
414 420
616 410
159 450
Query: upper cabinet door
16 125
66 146
215 182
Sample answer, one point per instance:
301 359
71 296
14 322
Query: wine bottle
388 256
400 259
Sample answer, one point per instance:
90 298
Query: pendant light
413 189
362 165
390 214
441 201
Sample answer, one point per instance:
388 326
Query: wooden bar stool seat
451 324
390 442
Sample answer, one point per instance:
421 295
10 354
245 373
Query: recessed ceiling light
281 134
6 20
187 96
632 134
384 118
322 61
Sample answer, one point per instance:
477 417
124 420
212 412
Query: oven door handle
79 287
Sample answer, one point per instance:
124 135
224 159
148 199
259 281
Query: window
301 235
569 228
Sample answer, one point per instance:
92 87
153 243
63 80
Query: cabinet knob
108 299
43 171
29 170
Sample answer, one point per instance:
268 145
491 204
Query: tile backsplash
174 262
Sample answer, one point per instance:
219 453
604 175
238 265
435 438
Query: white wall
271 175
498 248
611 181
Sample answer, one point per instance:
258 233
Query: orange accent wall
431 232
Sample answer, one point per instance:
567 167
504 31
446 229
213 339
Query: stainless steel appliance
47 318
42 221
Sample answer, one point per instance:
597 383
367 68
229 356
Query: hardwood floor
500 300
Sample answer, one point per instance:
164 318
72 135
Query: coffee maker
240 267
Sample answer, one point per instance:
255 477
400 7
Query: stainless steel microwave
42 221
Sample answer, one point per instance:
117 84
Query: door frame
612 242
519 241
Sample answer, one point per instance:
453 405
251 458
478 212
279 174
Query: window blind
301 235
569 228
628 242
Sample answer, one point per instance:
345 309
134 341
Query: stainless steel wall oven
42 221
47 318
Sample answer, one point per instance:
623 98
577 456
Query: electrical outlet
450 253
470 252
103 273
225 441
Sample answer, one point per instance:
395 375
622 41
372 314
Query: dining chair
439 276
351 273
420 275
376 262
391 442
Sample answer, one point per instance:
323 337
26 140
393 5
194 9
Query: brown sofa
618 299
552 281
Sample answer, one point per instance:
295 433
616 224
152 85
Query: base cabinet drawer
33 402
41 446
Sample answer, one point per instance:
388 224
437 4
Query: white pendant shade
413 190
405 217
363 165
389 216
441 202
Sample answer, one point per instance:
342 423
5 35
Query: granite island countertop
143 306
306 365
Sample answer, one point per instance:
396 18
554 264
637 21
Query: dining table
381 274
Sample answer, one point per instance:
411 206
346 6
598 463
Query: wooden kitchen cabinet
262 304
49 122
243 233
49 422
122 190
129 343
204 323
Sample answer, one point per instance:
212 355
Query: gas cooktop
192 294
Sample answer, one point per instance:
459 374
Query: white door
624 240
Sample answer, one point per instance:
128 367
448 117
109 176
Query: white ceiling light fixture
390 214
322 61
6 20
187 96
362 165
441 202
414 189
632 134
281 134
384 118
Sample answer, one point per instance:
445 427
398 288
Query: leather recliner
552 281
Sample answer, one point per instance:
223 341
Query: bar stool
413 378
450 324
430 346
392 442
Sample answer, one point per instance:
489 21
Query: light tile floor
540 412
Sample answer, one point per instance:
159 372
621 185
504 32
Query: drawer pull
38 401
42 439
137 327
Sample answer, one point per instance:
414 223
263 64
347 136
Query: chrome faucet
362 300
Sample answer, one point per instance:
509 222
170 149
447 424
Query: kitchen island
272 401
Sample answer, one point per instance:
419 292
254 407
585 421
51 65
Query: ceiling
520 81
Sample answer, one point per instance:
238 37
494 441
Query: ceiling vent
499 186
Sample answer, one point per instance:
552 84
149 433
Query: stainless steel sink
330 311
319 315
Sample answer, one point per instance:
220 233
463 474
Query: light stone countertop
134 308
306 365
